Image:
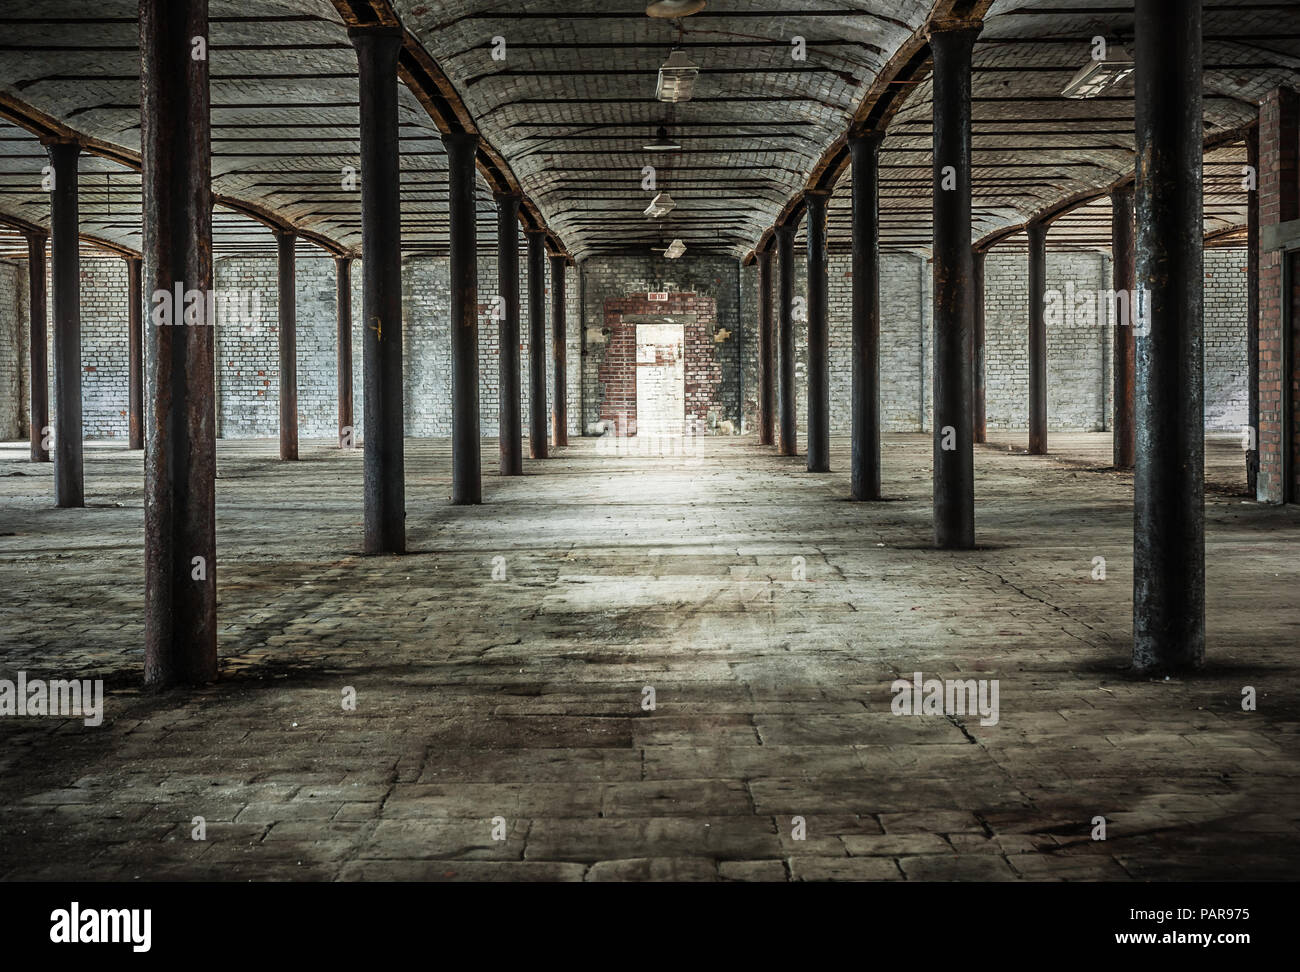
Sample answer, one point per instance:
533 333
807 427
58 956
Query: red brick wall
617 373
1279 202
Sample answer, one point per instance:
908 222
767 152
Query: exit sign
661 296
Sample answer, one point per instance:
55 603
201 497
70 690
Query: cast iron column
766 350
1252 314
1126 309
343 314
864 477
819 389
980 420
787 442
135 354
1169 472
381 289
954 471
1037 233
180 544
287 292
65 307
560 402
537 343
466 479
38 350
509 428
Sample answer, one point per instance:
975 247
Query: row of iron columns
1158 426
180 624
171 370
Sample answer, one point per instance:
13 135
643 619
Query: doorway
660 379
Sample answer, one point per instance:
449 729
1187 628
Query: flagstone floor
506 698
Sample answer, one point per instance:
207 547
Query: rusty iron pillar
766 350
954 472
135 353
466 460
180 545
1169 467
1125 311
979 394
343 349
536 343
559 327
509 425
38 348
287 296
788 439
1037 233
65 308
381 289
819 388
1252 316
864 475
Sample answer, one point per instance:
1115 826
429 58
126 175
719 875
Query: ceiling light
675 249
662 143
676 78
1096 76
661 205
672 9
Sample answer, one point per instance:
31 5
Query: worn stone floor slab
500 733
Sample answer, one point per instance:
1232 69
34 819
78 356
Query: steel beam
787 443
1037 233
466 461
180 546
1126 309
559 352
65 309
864 478
766 350
343 349
135 353
287 297
819 388
954 471
536 343
381 289
1169 473
38 347
509 416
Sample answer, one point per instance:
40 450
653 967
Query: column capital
369 33
953 27
504 199
460 140
868 137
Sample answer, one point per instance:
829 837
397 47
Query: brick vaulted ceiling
565 113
